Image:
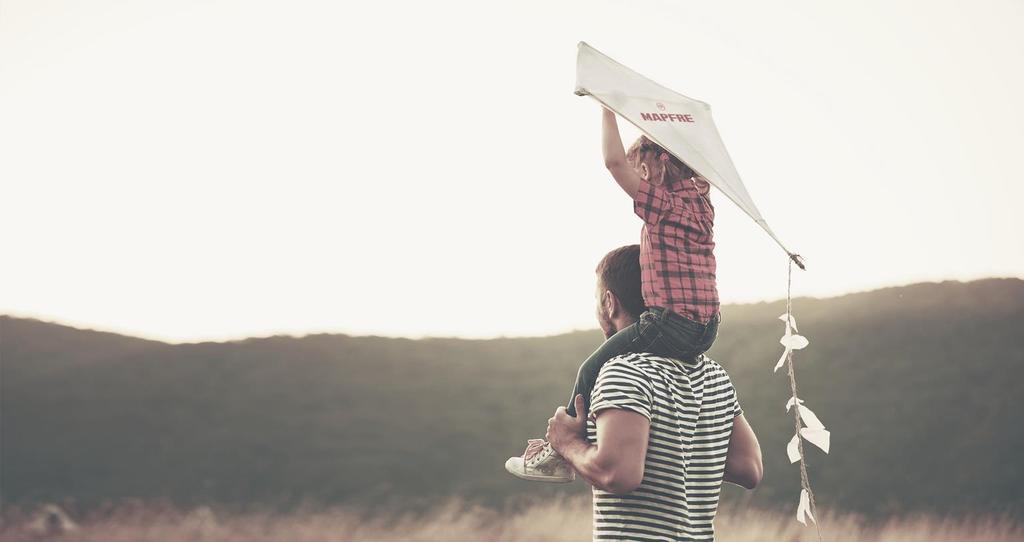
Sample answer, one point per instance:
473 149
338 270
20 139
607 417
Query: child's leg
636 337
682 338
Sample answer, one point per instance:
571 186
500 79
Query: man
661 435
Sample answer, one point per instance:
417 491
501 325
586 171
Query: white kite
681 125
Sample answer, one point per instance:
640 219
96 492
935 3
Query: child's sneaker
540 463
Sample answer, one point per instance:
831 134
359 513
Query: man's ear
610 304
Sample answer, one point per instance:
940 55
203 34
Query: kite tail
805 481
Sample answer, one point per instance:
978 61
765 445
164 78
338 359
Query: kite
683 126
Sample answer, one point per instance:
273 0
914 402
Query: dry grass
563 521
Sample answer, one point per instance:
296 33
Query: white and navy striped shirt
691 407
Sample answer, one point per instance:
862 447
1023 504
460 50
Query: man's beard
607 326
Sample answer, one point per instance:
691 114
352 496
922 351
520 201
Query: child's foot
540 463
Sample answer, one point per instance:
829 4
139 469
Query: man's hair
619 272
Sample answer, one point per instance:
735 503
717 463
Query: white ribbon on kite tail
790 340
804 508
813 432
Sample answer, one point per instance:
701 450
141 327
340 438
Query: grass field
566 520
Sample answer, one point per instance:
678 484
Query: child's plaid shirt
677 248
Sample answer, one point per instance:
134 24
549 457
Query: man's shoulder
636 362
647 360
636 359
715 371
654 366
646 367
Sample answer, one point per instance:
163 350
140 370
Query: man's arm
615 156
743 464
616 463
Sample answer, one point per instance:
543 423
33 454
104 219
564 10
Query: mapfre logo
667 117
661 106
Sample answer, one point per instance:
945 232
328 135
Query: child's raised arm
615 155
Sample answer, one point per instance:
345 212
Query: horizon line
81 326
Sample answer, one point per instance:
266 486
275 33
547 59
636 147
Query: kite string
805 482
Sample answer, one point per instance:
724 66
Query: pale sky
191 170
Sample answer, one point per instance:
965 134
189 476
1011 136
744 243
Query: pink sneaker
540 463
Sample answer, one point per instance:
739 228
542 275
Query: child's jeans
658 331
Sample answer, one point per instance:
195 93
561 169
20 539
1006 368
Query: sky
210 170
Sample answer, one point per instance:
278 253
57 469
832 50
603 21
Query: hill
919 385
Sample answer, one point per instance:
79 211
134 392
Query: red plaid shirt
677 256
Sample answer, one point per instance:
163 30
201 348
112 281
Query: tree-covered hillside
919 385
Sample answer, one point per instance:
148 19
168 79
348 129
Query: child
678 277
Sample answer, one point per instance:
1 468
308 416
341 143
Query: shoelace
535 446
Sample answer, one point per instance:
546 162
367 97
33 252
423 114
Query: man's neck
623 323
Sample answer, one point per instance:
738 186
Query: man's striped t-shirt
691 407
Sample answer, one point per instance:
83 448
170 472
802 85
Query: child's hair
662 167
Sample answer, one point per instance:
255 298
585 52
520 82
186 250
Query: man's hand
616 462
564 429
